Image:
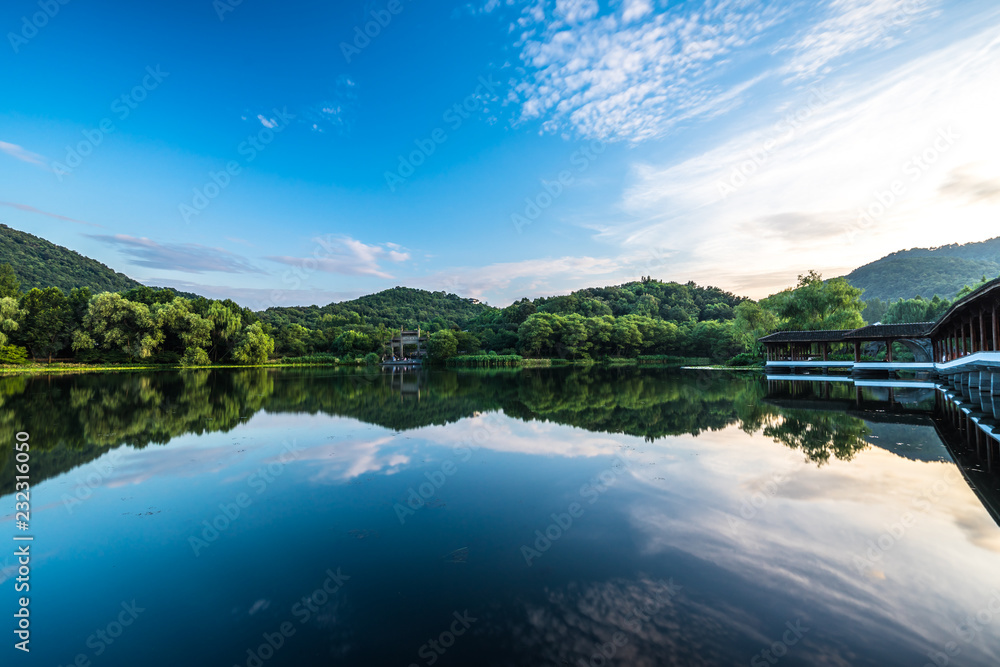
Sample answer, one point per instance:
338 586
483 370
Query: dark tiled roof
875 331
871 332
805 336
991 286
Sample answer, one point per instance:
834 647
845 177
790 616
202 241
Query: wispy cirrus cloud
504 282
634 73
258 298
347 256
851 26
183 257
633 70
23 154
32 209
922 126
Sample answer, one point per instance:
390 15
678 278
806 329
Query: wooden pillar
961 341
996 329
888 350
826 351
857 351
982 330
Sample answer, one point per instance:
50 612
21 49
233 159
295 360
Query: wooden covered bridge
964 343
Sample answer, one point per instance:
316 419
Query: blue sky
274 153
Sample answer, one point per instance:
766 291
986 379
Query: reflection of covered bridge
964 343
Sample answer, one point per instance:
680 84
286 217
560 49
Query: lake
562 516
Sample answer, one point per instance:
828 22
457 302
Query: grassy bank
507 361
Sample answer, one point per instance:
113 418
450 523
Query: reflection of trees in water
74 419
819 434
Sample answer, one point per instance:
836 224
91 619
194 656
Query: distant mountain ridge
927 272
40 263
905 274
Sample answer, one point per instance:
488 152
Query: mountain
927 272
393 308
39 263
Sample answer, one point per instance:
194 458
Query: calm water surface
549 517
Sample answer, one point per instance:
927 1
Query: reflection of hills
77 418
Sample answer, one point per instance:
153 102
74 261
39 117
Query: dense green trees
9 316
114 323
10 286
254 346
926 271
753 321
817 304
442 345
45 321
915 310
141 324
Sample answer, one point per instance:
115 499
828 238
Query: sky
304 152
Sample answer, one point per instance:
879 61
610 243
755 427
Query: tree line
141 324
817 304
646 317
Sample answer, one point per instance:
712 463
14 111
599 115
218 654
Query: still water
540 517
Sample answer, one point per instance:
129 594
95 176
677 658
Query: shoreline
65 368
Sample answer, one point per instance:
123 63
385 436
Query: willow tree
115 323
9 316
818 304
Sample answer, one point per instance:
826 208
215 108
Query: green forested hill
39 263
928 272
391 308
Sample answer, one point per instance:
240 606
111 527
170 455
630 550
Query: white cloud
634 73
853 25
790 194
183 257
22 154
503 282
576 11
346 256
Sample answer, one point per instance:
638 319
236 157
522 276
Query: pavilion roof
827 336
992 287
880 331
